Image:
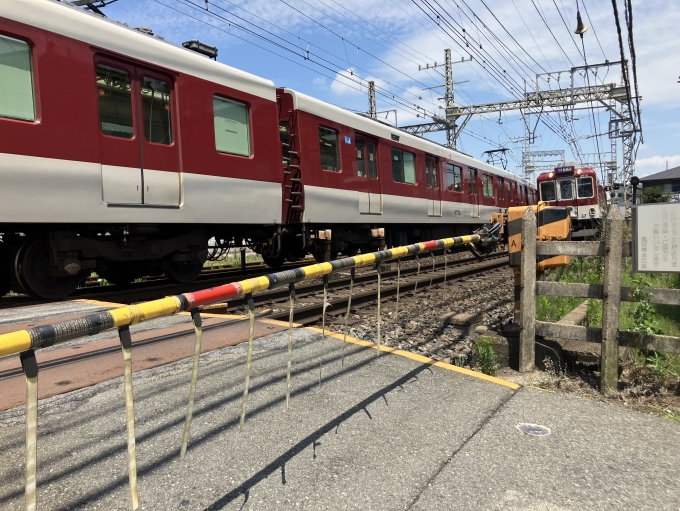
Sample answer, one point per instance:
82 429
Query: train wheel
35 273
183 273
5 282
276 261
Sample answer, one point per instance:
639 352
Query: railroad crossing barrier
25 342
610 292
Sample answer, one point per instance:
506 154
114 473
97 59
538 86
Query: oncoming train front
570 185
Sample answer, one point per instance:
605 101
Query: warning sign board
656 238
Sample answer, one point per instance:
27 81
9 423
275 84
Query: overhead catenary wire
200 9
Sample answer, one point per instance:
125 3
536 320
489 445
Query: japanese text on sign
656 237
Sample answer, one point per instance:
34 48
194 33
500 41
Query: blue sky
352 41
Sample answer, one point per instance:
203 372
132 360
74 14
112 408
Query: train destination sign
656 238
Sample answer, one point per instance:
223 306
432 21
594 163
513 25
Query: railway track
311 313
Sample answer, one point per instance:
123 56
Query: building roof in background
673 173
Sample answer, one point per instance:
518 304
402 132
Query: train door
139 156
434 201
567 192
118 133
473 194
160 156
370 194
501 200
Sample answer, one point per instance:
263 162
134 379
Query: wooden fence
611 293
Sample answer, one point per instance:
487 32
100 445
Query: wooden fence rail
611 293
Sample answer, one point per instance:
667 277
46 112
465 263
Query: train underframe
50 262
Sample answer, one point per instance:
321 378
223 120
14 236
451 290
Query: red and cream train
123 154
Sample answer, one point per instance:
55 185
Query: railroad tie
30 368
249 359
198 327
126 345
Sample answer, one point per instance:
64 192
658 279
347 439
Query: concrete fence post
527 336
609 358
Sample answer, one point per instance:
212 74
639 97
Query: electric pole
371 100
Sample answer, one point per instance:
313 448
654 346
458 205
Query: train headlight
578 172
550 175
592 211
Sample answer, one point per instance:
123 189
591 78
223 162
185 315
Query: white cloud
654 164
319 82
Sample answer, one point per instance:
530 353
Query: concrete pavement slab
371 437
598 456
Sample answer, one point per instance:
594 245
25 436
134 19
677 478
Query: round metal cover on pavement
533 429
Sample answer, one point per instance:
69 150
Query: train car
123 154
575 187
352 174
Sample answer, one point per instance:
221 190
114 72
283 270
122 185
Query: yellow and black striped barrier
25 342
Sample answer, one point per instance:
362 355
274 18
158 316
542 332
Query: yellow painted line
422 359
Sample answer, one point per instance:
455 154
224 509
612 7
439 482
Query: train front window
566 189
548 191
232 129
584 187
156 110
16 80
328 145
454 178
115 102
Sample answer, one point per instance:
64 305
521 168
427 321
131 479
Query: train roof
76 23
372 127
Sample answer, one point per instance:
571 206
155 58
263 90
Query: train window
232 129
328 144
431 172
284 137
548 191
156 111
454 178
366 158
509 190
16 80
584 187
487 184
403 167
361 157
472 174
114 89
566 189
372 160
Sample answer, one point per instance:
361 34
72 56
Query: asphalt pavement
386 432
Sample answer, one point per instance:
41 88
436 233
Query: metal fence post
527 336
609 358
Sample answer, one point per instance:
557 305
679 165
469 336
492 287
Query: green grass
486 356
233 262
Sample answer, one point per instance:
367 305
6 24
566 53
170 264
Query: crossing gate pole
527 335
198 327
126 344
291 288
377 269
30 368
349 306
249 360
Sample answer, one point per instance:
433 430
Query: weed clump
486 356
